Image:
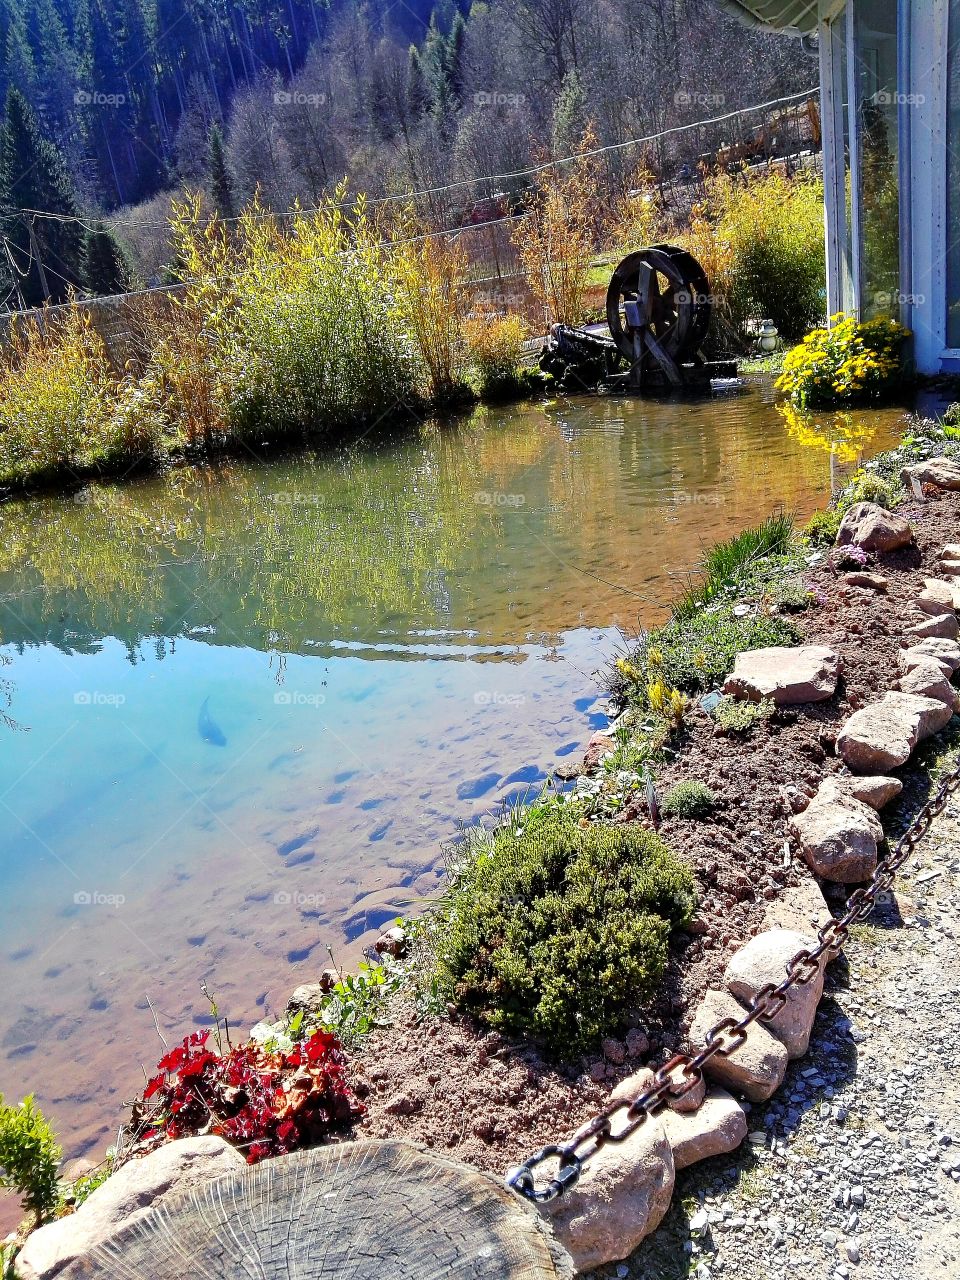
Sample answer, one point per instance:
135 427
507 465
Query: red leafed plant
266 1103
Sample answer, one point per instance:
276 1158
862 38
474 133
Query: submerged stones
805 673
873 528
882 736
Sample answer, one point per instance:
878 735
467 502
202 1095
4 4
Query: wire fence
483 213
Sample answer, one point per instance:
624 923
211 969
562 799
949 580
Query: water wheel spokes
658 309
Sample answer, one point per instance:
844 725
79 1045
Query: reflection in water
846 436
260 695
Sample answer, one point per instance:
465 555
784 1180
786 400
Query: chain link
685 1071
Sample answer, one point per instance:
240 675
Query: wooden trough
362 1210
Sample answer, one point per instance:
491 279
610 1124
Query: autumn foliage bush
264 1102
495 347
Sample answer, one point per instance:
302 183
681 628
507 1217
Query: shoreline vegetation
561 917
346 320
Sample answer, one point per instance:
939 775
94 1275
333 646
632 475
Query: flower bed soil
489 1101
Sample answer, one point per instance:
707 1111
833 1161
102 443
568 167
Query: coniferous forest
112 106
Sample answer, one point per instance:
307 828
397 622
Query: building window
953 178
878 108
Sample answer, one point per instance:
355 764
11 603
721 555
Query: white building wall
924 116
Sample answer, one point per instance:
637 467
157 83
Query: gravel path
853 1169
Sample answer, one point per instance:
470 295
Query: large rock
874 529
881 736
928 680
942 626
800 907
938 596
763 960
838 835
946 653
123 1199
943 473
719 1126
622 1195
756 1069
807 673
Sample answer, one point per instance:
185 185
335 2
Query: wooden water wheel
658 311
364 1210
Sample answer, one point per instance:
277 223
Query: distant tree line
114 105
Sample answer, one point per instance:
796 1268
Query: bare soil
490 1102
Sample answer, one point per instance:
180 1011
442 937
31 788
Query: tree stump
358 1210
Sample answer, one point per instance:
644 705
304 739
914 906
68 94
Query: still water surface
249 702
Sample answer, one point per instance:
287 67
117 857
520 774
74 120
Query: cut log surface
358 1210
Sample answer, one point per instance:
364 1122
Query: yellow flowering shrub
848 362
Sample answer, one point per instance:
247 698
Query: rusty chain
726 1036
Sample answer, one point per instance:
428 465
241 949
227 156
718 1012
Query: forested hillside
112 105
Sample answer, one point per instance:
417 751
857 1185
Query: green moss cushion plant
560 930
689 800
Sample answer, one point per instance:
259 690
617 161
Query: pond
248 703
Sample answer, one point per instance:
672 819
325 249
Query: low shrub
427 271
866 487
59 399
559 929
688 800
87 1183
822 527
29 1156
734 716
760 241
555 237
846 363
266 1103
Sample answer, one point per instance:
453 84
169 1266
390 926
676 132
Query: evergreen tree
456 42
221 184
569 115
48 252
418 95
105 269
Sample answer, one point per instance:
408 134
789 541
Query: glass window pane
877 117
953 178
